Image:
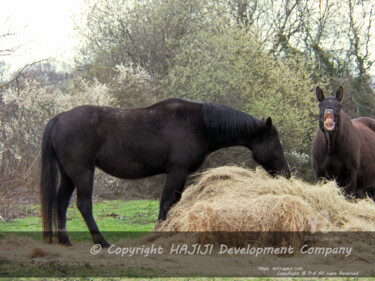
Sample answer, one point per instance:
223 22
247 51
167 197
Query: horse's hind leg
174 186
84 203
64 194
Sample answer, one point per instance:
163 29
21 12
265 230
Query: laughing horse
344 149
173 137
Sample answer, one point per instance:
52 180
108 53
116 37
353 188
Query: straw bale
234 199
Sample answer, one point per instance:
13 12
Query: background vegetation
263 57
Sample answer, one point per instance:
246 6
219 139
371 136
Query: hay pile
233 199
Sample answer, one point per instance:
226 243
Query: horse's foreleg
84 204
65 192
174 186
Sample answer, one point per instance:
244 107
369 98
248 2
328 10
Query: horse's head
268 152
329 110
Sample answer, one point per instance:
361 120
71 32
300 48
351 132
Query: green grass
110 216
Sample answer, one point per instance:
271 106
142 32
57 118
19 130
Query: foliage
145 33
24 111
133 86
335 37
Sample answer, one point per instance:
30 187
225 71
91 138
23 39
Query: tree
7 35
334 36
144 33
7 48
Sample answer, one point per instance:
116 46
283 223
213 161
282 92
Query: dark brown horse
173 137
344 149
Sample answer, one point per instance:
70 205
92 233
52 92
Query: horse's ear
319 94
340 93
268 123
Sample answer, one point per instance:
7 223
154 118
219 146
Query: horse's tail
48 183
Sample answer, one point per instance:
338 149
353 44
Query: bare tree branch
19 72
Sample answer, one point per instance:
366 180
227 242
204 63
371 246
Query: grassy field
118 215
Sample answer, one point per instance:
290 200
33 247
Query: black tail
48 183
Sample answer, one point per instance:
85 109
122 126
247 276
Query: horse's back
176 108
112 121
129 143
366 122
365 127
86 123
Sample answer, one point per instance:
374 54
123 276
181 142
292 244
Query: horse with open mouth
344 149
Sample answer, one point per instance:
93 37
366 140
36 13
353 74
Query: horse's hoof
105 245
65 243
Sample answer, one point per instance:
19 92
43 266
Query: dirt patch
171 255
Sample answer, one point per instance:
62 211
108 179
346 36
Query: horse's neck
225 140
331 142
335 139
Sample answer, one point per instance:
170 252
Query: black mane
221 118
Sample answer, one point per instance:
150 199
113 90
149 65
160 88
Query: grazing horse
344 149
173 137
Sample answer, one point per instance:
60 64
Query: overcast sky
44 29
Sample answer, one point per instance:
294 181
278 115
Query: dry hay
233 199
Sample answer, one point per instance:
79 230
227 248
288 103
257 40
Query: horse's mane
221 118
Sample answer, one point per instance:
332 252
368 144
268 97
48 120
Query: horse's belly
130 165
129 169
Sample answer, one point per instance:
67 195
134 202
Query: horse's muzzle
329 120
